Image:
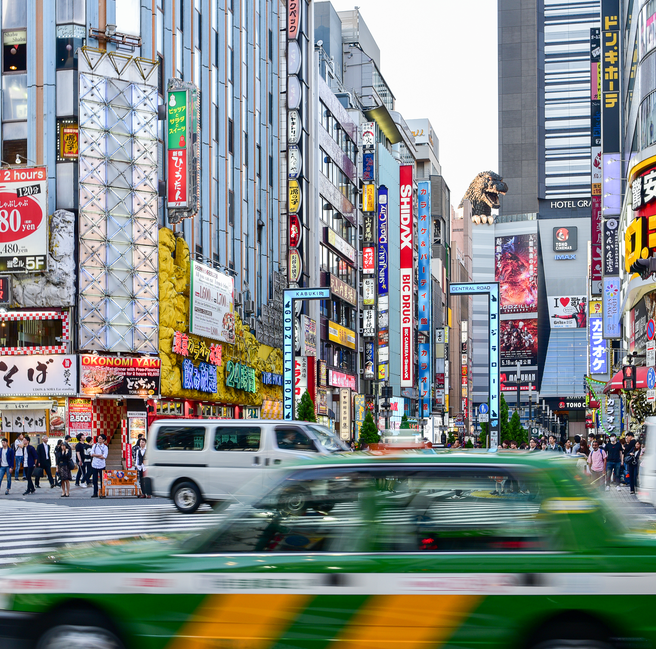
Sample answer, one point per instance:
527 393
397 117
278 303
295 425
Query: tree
368 432
516 432
482 438
469 443
504 426
305 410
404 423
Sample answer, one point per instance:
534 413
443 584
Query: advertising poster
369 322
368 166
79 417
611 247
369 260
345 413
308 336
383 279
211 304
516 270
519 342
406 268
368 291
368 360
119 375
424 378
568 312
358 413
424 264
341 335
598 349
23 219
38 376
611 308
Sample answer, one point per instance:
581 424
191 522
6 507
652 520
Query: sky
439 58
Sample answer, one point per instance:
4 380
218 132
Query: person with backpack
597 464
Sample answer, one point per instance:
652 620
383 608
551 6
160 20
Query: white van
208 460
646 490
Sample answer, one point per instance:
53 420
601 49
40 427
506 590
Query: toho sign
182 144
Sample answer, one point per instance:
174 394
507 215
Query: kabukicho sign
407 283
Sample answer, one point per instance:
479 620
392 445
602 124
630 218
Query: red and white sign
340 380
80 413
300 377
23 219
368 260
407 282
178 178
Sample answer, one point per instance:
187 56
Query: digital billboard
519 342
516 270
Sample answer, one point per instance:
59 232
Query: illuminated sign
295 231
341 335
201 378
565 239
383 270
293 18
295 265
368 260
369 198
190 347
611 307
598 350
294 196
407 277
343 290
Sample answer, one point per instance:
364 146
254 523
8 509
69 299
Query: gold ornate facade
174 283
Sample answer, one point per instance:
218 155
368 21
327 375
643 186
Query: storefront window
14 51
171 408
69 39
31 333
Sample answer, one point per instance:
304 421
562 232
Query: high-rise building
545 157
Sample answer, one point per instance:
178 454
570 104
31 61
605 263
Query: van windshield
328 439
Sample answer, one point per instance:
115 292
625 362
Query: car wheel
293 502
186 497
69 636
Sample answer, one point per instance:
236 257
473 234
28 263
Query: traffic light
644 267
629 377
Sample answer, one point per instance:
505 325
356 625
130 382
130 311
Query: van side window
293 439
237 438
180 438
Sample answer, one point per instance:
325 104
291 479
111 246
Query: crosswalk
29 529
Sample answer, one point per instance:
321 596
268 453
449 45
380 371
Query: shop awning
615 384
26 405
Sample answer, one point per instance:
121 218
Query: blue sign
423 349
383 259
492 291
483 409
201 378
289 295
424 268
368 167
651 378
598 349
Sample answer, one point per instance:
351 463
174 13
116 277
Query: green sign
177 119
240 377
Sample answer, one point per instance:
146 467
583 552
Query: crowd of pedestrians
90 460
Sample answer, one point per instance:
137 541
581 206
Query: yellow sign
369 198
295 265
382 372
341 335
639 240
294 196
596 189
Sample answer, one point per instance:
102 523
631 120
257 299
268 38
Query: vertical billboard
211 303
516 270
383 283
598 361
406 268
183 150
424 296
611 308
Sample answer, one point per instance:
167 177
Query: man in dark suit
43 461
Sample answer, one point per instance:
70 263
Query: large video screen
519 342
516 270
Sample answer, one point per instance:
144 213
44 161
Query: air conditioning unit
249 306
238 301
239 311
252 321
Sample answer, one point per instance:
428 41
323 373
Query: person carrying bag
140 461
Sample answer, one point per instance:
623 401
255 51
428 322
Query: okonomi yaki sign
23 219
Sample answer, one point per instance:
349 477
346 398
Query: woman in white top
141 465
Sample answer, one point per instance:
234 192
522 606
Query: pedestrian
513 445
140 463
568 447
44 462
64 457
136 447
29 461
6 463
597 464
639 450
533 445
577 444
543 446
18 456
613 461
88 471
79 460
504 445
552 446
99 453
631 461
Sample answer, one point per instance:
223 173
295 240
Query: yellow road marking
406 621
239 621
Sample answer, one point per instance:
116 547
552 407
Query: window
30 333
393 509
14 51
294 439
14 14
69 39
181 438
230 136
233 438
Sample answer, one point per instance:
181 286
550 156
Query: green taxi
489 550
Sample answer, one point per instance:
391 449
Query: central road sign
491 289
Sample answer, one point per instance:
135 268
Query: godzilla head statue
483 193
